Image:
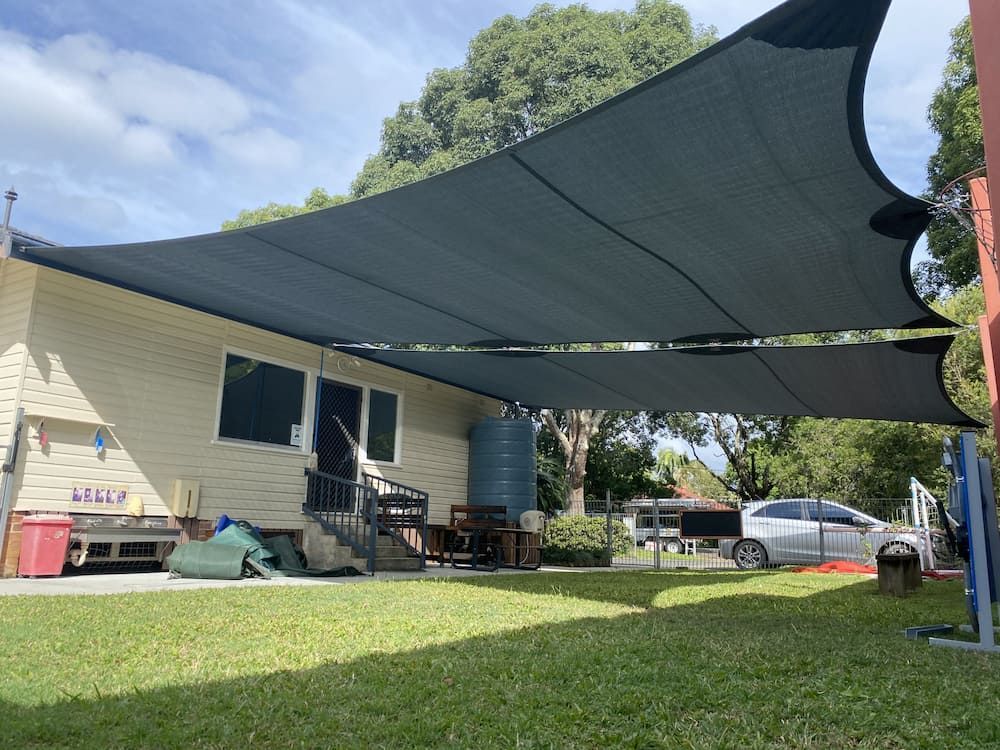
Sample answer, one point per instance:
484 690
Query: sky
141 120
145 120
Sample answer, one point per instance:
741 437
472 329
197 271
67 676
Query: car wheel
897 548
674 546
749 555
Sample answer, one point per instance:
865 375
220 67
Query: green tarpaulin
226 556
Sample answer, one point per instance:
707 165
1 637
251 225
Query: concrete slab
124 583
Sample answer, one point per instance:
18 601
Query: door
338 426
779 526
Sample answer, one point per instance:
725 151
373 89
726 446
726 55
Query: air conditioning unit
184 500
533 521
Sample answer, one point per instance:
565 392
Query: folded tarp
238 550
893 380
731 197
204 560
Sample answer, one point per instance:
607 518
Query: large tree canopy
522 75
954 115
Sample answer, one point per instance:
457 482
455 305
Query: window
261 402
789 511
830 513
645 522
382 427
669 520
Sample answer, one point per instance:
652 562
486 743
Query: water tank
502 465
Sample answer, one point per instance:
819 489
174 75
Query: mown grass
639 660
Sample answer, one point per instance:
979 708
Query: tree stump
898 574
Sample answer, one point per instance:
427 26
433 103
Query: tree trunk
751 484
581 426
576 470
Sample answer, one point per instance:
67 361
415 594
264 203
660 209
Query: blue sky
142 120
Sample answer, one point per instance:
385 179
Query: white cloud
174 97
172 128
126 133
261 148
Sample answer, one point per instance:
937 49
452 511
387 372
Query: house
128 400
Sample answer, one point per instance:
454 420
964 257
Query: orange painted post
985 33
985 17
989 324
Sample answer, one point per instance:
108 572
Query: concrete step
325 550
397 563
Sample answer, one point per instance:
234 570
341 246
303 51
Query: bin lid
47 521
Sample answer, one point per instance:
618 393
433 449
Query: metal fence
768 533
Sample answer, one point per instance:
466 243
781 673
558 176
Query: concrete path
123 583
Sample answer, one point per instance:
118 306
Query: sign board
711 524
296 438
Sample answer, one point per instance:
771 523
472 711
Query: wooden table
487 548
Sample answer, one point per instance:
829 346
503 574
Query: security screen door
338 428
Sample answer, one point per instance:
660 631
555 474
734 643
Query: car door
779 526
842 539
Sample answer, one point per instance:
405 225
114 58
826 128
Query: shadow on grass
642 590
766 671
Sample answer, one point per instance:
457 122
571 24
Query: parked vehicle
642 520
781 532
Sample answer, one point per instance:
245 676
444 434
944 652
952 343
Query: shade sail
731 197
891 380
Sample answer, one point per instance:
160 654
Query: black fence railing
346 509
401 513
780 531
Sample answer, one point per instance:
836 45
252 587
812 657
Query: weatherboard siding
17 285
147 373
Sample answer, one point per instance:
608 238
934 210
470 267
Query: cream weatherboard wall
17 284
148 374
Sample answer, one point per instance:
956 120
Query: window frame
397 450
308 406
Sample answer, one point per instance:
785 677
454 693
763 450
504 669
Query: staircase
367 524
324 550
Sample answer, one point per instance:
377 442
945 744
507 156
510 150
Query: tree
955 116
316 200
622 459
619 456
522 75
551 484
747 441
573 435
689 476
852 459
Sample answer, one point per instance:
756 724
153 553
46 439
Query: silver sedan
782 532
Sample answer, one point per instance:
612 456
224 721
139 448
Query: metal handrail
401 507
923 510
347 509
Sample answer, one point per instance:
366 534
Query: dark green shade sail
730 197
889 380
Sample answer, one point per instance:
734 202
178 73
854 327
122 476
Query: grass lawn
639 660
